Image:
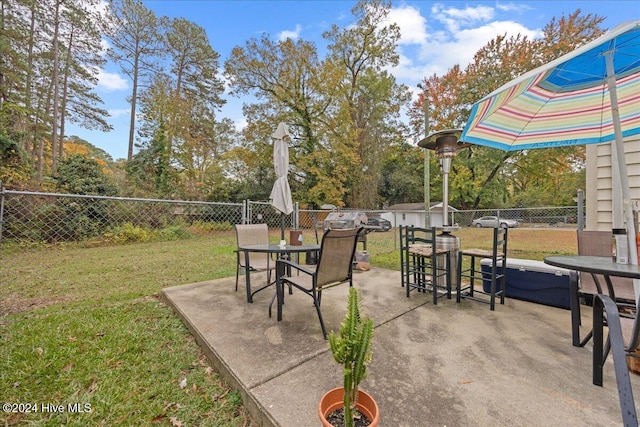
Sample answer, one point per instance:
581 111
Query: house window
404 216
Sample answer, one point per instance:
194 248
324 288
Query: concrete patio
445 365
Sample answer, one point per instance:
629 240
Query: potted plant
352 349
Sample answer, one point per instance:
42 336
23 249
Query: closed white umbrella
280 196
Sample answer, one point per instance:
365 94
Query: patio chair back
424 269
253 234
584 286
335 266
496 276
337 251
598 243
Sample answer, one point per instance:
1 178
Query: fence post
245 203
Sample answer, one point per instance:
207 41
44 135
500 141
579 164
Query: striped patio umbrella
567 101
589 96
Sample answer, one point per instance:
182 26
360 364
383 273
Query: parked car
494 222
385 225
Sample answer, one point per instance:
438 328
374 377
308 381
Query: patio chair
422 268
253 234
334 267
584 286
496 277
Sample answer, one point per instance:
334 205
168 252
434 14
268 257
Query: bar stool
422 268
495 278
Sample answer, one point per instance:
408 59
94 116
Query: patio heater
446 143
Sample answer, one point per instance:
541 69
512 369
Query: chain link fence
526 217
562 216
32 217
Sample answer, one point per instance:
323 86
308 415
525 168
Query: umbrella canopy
567 101
588 96
280 196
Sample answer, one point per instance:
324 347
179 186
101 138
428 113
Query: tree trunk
56 60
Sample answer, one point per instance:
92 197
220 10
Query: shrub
209 226
174 232
128 233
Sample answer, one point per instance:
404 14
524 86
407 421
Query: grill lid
346 219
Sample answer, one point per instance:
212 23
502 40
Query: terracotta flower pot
333 399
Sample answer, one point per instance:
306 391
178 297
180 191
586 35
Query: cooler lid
530 265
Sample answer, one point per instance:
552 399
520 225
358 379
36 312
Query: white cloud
104 47
513 7
119 112
102 7
240 124
288 34
412 25
111 81
453 37
454 18
467 42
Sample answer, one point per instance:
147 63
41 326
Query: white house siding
406 214
598 192
407 218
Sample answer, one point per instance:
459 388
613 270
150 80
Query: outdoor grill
349 219
345 219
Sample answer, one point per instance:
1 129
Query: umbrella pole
281 227
618 157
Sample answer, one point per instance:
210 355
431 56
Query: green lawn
86 327
82 328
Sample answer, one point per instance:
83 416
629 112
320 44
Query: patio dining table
606 267
271 248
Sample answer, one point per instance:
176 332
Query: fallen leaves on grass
68 366
219 396
158 419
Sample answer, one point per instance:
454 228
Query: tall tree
369 99
565 34
53 50
82 58
293 86
152 160
40 81
149 169
134 32
345 108
13 71
12 61
194 63
198 90
56 83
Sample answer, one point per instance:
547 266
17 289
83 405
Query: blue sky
435 36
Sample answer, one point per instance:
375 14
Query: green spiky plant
352 349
